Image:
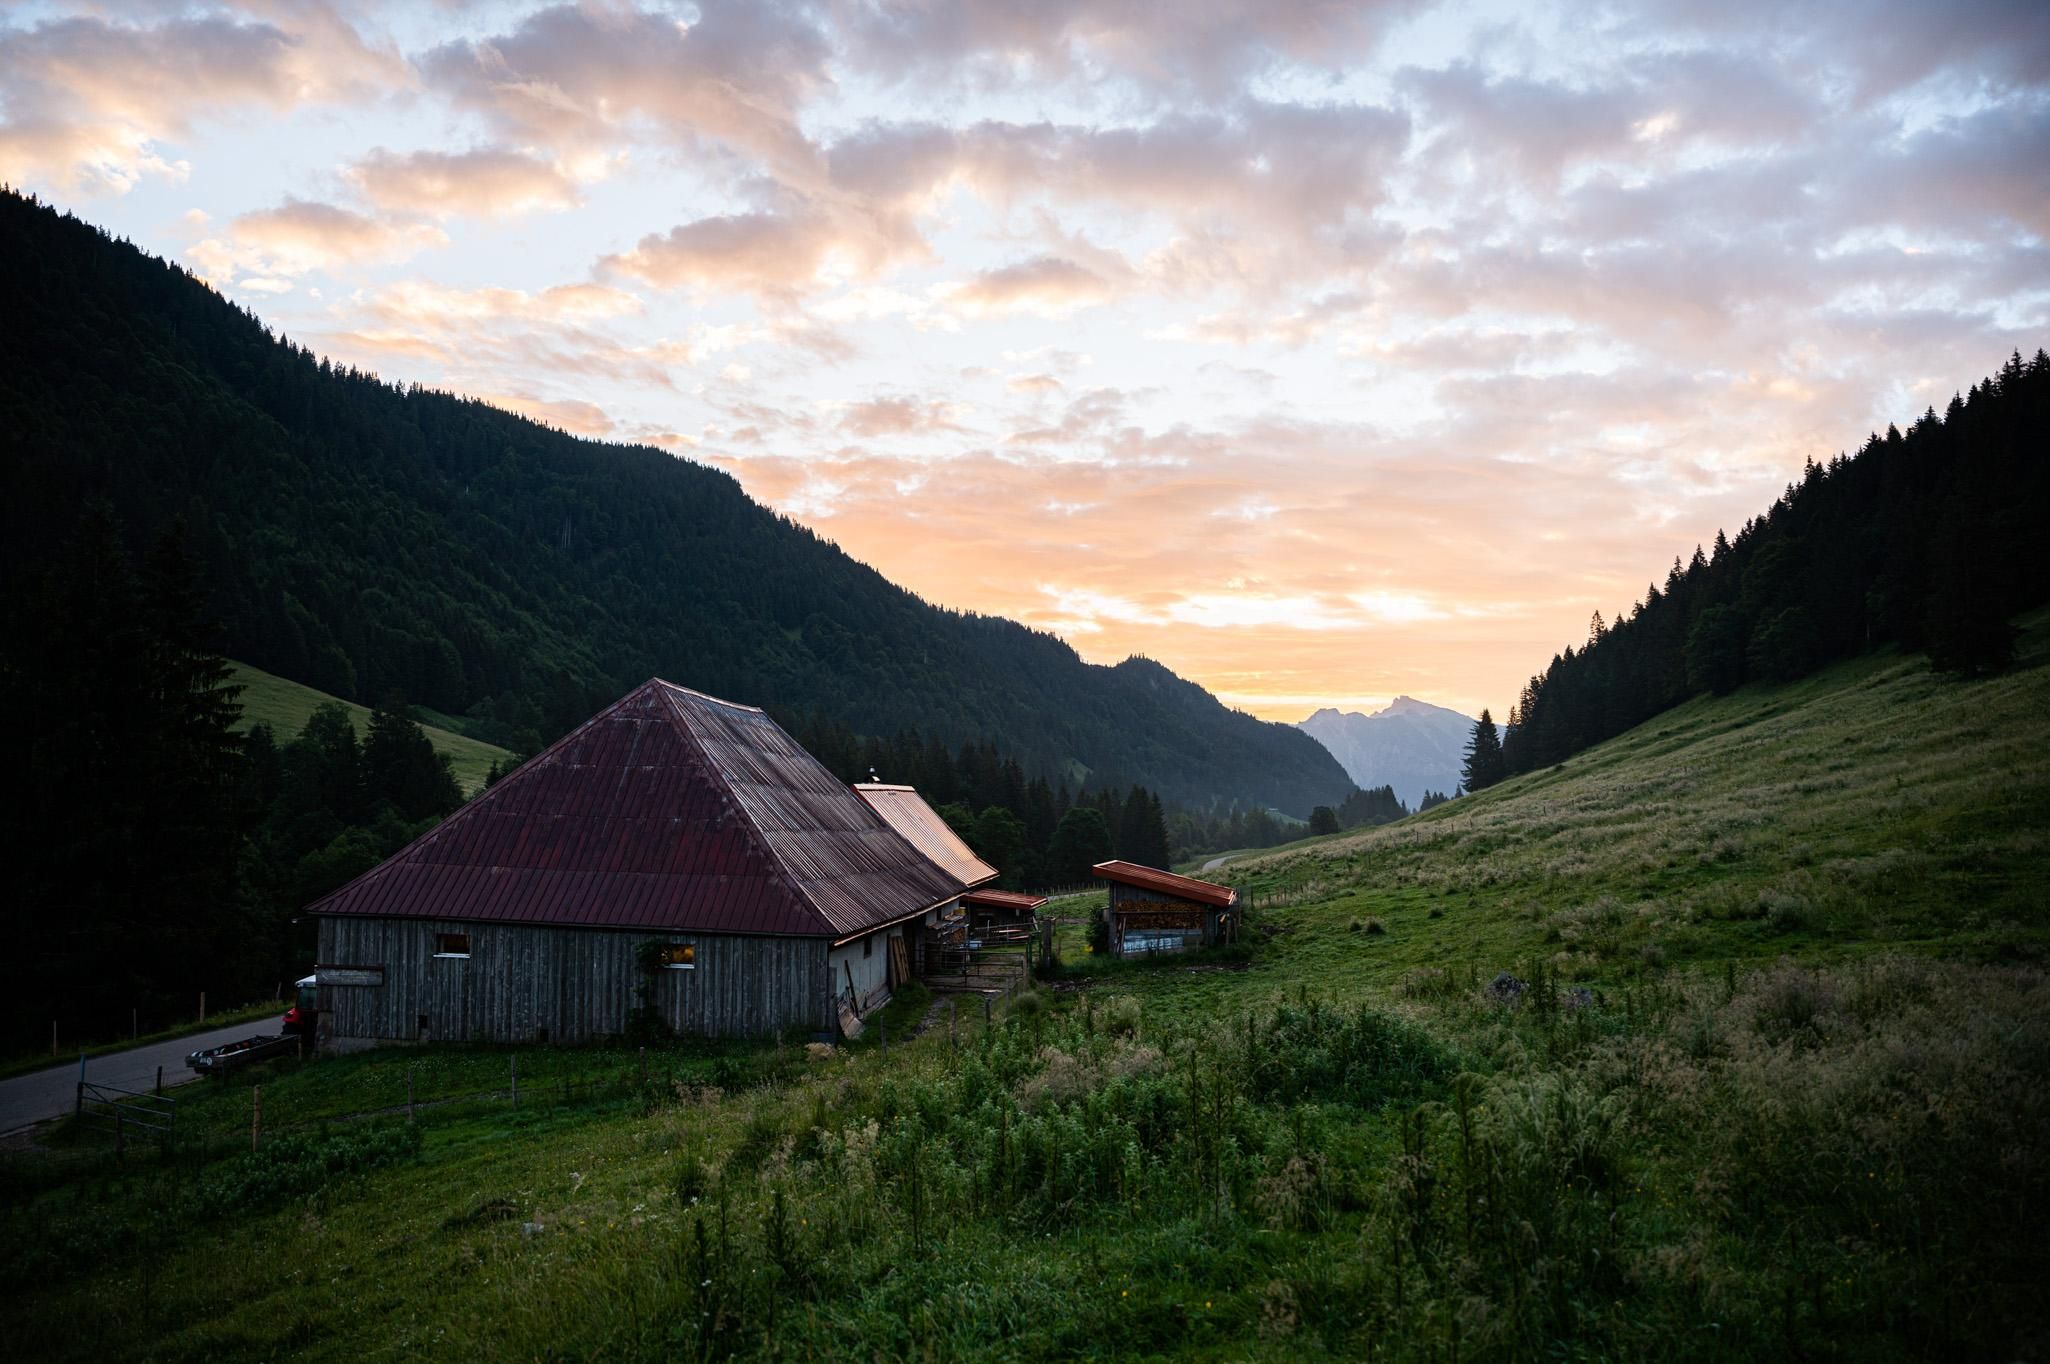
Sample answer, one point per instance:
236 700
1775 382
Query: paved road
1214 863
51 1093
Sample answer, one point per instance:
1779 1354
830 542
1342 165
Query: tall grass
1835 1162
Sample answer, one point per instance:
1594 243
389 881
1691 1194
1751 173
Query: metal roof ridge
701 695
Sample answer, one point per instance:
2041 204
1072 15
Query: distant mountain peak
1408 744
1409 705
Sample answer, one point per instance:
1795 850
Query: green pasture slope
1772 1080
284 706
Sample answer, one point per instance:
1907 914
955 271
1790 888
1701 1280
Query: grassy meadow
1729 1039
270 700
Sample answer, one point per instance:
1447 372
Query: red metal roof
1002 899
1167 883
669 810
906 812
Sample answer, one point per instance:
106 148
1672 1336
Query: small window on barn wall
451 944
868 946
680 956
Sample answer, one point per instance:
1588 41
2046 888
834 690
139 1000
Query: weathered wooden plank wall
1137 910
577 984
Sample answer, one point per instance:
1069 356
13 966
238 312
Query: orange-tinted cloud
302 235
584 77
89 101
486 182
1045 286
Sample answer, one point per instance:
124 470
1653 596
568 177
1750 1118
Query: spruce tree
401 768
1081 840
1484 766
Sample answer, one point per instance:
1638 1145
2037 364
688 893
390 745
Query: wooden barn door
900 960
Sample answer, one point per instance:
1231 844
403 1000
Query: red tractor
304 1015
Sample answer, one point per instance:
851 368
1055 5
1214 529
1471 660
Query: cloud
1254 193
1880 47
1980 175
489 182
89 103
583 78
426 304
1638 112
771 254
1045 286
303 235
897 417
1200 47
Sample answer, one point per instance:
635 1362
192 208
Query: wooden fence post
255 1116
160 1079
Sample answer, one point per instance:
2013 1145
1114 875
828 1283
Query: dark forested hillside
1930 539
372 541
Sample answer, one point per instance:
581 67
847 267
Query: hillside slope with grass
1874 805
285 705
1727 1039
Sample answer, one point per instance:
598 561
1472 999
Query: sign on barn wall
349 975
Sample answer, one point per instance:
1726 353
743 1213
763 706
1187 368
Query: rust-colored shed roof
668 810
1167 883
1003 899
906 812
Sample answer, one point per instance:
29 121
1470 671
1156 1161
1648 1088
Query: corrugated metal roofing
920 824
1002 899
1166 882
669 810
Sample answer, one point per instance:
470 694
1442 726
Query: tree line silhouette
1929 539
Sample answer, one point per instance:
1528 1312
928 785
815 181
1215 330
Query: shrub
1363 1058
1119 1017
296 1164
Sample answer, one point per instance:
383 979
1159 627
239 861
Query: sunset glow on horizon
1321 352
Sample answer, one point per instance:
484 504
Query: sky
1322 352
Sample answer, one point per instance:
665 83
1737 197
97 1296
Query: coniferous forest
1929 539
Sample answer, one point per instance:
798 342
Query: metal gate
127 1113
